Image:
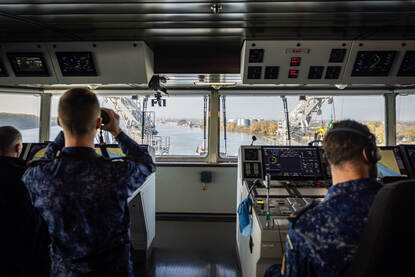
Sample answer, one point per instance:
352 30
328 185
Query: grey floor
193 249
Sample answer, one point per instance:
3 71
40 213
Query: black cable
279 234
102 145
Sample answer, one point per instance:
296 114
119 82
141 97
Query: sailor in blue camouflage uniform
324 237
83 196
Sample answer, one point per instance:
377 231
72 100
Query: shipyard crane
295 124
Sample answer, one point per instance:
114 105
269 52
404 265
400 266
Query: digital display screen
391 163
3 71
292 162
113 152
254 72
28 64
293 74
337 55
373 63
408 65
76 63
256 55
251 154
36 152
296 61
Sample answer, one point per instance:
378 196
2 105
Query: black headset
372 152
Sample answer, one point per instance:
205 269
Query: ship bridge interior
198 79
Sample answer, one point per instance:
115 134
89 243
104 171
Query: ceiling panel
191 28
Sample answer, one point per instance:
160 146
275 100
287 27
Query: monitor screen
113 152
391 163
76 63
37 150
411 155
292 162
373 63
28 64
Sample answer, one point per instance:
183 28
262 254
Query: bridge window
22 112
309 117
174 126
405 119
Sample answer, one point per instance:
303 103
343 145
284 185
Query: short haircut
78 111
9 138
341 147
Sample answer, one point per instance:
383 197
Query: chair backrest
386 247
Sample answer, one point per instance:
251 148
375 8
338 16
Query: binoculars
105 117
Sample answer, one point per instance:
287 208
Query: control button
337 55
295 61
256 55
254 72
333 72
293 74
316 72
271 72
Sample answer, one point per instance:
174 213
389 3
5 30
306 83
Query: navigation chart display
76 63
391 163
292 162
28 64
373 63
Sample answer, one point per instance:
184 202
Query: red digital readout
293 74
295 61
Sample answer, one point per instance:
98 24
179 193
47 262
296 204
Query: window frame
213 156
34 93
234 159
396 96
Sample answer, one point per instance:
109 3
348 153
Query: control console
279 180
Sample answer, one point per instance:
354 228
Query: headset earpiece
372 152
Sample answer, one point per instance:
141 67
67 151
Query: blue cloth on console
245 219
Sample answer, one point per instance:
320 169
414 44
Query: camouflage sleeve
55 146
140 163
297 262
29 181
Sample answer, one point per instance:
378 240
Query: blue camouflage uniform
83 199
324 237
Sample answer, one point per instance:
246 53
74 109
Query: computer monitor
28 64
391 163
411 155
114 151
286 162
408 152
36 151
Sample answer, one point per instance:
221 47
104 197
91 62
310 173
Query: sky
269 108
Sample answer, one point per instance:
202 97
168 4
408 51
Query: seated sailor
323 238
24 236
83 196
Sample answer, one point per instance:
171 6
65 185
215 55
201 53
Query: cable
279 234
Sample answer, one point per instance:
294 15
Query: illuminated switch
293 73
296 61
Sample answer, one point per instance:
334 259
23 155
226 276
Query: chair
386 247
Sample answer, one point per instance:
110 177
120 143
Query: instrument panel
282 162
328 62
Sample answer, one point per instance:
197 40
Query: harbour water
183 140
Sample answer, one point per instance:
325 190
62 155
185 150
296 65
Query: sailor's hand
114 125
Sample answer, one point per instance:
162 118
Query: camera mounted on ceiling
157 83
